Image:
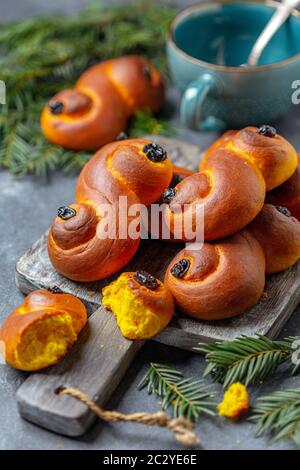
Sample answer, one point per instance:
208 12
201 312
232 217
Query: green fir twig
188 397
248 359
40 56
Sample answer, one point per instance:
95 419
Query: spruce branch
41 56
248 359
145 123
189 397
278 414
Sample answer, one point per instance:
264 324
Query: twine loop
181 427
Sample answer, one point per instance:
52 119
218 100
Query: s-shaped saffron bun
273 155
288 194
141 304
97 109
279 236
38 333
231 186
84 242
219 280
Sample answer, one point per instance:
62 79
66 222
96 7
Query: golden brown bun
94 112
273 155
279 236
220 280
39 332
230 190
288 194
231 186
141 304
77 246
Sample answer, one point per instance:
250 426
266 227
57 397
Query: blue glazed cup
206 45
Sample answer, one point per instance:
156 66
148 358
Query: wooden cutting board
100 358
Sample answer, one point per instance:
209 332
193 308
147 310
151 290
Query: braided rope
181 427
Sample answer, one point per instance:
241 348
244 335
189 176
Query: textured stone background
26 207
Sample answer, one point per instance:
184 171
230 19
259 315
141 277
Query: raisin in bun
82 244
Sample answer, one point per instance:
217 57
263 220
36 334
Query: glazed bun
230 190
219 280
273 155
279 236
80 245
97 109
139 84
288 194
232 182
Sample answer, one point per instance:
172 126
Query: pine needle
278 414
248 359
188 397
41 56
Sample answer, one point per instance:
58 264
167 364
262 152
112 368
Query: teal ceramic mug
206 45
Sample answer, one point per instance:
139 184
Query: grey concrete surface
26 207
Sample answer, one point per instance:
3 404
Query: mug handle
191 105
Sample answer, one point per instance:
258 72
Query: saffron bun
231 185
224 278
97 109
220 280
288 194
271 153
141 304
80 244
278 233
38 333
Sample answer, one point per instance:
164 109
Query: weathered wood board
98 361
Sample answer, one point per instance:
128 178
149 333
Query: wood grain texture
98 361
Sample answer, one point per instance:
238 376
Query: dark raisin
283 211
66 212
175 180
267 131
56 107
147 73
155 152
168 195
55 290
122 136
180 268
146 279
